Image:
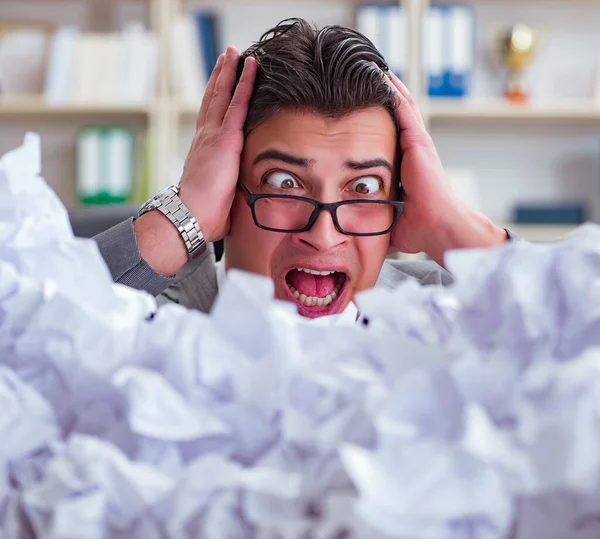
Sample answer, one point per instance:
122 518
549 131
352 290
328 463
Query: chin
318 291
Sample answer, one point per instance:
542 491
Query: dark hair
329 71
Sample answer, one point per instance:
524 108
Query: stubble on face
326 147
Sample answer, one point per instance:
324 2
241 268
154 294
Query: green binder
105 170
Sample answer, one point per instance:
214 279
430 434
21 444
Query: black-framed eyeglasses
290 213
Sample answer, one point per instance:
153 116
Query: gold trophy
515 49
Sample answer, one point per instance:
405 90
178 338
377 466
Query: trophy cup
515 49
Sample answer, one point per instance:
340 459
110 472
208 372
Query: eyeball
366 186
282 180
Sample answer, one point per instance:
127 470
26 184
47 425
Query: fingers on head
221 96
238 109
208 91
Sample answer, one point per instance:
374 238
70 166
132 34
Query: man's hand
212 166
211 170
434 220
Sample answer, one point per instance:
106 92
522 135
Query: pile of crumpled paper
466 412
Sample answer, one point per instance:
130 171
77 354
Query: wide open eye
281 180
366 186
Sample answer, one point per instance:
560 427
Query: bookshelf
167 120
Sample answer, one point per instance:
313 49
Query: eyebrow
290 159
370 163
276 155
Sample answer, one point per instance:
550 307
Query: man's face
305 154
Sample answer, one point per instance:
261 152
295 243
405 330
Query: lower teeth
311 301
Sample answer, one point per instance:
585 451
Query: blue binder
460 33
207 24
435 51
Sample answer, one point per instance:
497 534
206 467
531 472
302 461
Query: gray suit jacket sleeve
118 246
426 272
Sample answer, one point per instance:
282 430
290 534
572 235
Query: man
300 173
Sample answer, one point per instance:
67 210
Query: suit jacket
195 286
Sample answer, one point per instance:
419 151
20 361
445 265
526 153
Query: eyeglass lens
293 214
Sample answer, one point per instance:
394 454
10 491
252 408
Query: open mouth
317 292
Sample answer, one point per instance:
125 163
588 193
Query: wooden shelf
24 106
496 109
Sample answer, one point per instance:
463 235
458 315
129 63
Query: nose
322 236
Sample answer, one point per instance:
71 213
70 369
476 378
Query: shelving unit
165 118
37 106
474 110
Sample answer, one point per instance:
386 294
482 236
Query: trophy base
516 94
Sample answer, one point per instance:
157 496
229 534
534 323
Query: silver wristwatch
168 203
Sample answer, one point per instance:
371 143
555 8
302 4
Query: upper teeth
316 272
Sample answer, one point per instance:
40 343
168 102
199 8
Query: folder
208 39
385 26
396 40
88 165
104 164
435 57
460 31
368 23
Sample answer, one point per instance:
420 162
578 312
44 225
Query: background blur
113 87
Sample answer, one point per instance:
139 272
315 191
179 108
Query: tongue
318 286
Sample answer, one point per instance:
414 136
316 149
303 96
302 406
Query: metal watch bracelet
171 206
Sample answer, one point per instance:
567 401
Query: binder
435 57
396 40
385 26
104 164
88 164
208 39
460 31
368 23
118 142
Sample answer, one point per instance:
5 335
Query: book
137 80
97 67
101 67
188 74
59 70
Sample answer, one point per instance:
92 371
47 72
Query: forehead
364 134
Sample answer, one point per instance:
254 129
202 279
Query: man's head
320 125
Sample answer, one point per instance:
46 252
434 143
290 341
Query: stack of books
102 67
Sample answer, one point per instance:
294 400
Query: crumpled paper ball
462 412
